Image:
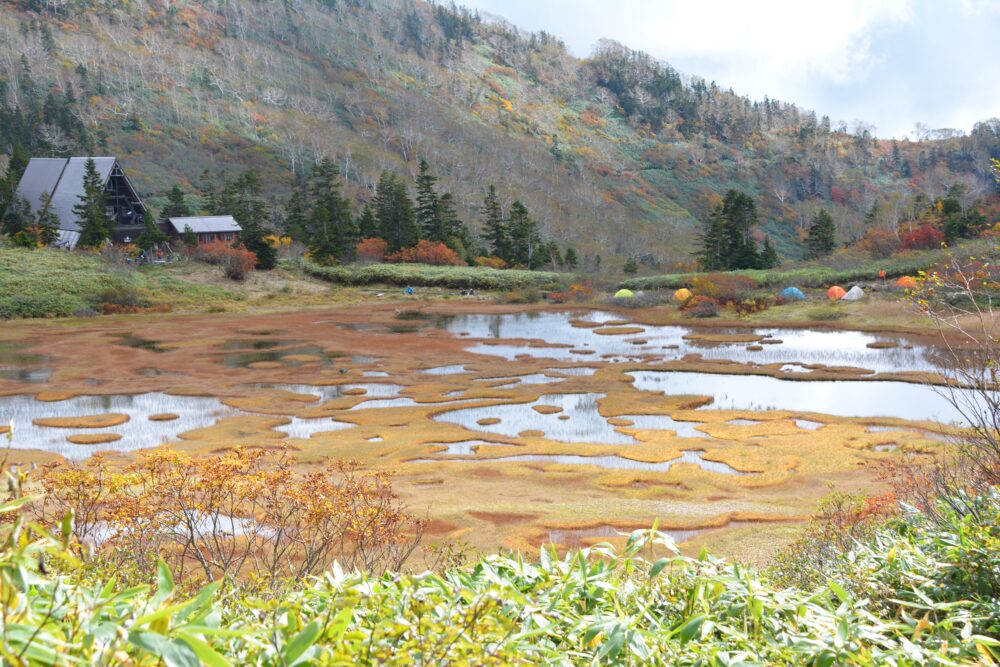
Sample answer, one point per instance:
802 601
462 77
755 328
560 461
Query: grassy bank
55 283
420 275
843 268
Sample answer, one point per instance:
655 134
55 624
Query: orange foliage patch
428 252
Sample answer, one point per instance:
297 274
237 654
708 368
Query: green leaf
301 643
690 629
164 583
173 652
658 567
205 653
839 591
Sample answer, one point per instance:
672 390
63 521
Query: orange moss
94 438
88 421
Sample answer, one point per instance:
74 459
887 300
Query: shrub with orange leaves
491 262
581 291
237 262
242 515
427 252
372 250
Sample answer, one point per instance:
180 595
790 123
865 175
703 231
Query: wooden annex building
206 228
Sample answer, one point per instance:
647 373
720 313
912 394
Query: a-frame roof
62 178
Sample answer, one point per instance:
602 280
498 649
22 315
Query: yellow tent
683 294
624 294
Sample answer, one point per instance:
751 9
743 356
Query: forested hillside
617 154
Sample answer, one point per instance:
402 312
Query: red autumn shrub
879 243
924 237
372 250
237 263
428 252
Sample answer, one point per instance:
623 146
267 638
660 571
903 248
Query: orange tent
835 293
683 294
907 282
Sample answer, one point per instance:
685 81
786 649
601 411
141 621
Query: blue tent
792 294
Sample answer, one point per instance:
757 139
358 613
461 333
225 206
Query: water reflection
585 423
845 398
193 412
800 347
692 456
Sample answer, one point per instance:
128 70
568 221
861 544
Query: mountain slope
617 154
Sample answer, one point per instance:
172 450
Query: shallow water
305 428
585 423
609 462
17 365
845 398
798 347
139 432
330 392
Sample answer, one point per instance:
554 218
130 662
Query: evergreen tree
367 224
296 214
456 233
244 200
428 208
16 165
525 241
494 226
769 255
151 236
822 236
92 211
18 218
176 205
397 223
630 268
570 258
712 254
189 238
47 220
739 214
331 233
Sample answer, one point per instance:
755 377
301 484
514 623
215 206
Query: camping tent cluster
837 293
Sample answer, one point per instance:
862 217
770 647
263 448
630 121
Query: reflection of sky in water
802 346
573 538
453 369
845 398
138 432
513 380
585 423
664 423
327 393
612 462
305 428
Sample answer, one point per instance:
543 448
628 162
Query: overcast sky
891 63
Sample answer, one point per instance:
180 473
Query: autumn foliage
372 250
237 262
427 252
924 237
242 515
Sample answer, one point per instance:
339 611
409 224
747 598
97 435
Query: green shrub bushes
420 275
